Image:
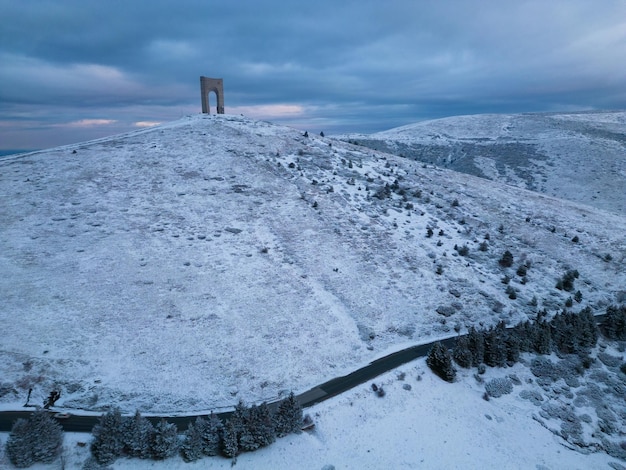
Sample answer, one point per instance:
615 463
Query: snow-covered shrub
533 396
288 417
38 439
608 360
544 369
499 386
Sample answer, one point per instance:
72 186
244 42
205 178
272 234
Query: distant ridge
7 152
576 156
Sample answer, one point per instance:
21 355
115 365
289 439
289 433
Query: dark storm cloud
77 69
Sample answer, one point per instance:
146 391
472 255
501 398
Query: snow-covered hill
215 258
575 156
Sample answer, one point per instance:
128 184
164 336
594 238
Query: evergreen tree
512 344
562 334
461 353
262 425
476 346
495 348
507 259
19 445
230 440
37 439
250 436
192 447
542 341
138 435
212 435
440 362
614 323
108 443
589 328
288 417
46 435
164 440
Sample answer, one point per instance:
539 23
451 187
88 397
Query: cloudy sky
71 70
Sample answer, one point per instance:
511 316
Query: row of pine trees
566 332
40 438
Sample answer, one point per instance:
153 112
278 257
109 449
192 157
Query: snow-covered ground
216 258
421 422
575 156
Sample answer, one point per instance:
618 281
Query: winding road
317 394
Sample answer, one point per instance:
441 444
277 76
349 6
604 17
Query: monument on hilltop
208 85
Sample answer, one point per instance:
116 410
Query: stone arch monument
208 85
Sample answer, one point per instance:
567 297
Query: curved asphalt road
78 423
333 387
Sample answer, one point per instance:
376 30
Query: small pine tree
512 344
230 441
108 443
288 417
164 440
192 445
614 323
19 446
138 435
578 296
589 328
248 441
507 259
476 340
495 347
259 428
46 435
542 338
461 353
440 362
212 435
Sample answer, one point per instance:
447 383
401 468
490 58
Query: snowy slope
215 258
433 425
575 156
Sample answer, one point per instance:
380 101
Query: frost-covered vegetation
37 439
247 429
582 387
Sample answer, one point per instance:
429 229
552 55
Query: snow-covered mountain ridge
576 156
214 258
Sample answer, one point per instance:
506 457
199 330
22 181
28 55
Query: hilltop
168 269
575 156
